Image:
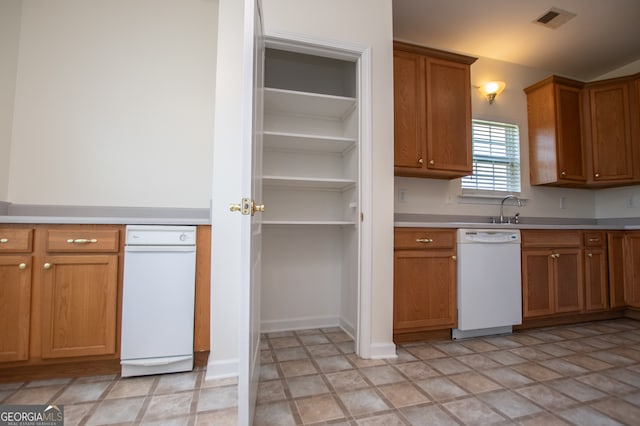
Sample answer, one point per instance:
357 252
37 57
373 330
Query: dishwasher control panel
156 235
488 236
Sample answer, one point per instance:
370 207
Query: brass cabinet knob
563 173
590 254
4 240
47 265
597 175
431 162
420 161
22 266
454 257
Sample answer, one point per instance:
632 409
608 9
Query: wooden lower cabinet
60 298
616 268
424 280
79 305
596 280
15 307
632 263
552 273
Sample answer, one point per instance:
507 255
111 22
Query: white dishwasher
158 299
489 282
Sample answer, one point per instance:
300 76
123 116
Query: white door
236 192
250 304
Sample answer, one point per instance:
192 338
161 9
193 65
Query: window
496 157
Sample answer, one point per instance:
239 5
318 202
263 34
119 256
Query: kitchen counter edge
87 220
476 225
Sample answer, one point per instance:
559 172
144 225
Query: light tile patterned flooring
586 374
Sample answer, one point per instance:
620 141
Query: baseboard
383 350
53 371
348 328
272 326
222 369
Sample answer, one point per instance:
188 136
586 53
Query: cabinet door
409 110
632 264
616 266
611 133
537 283
448 117
568 280
571 156
424 290
595 279
15 307
79 305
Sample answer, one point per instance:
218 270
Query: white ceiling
603 36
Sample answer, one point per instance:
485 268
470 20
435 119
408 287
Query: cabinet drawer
424 238
595 239
16 240
551 238
83 240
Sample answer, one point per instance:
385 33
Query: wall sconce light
492 89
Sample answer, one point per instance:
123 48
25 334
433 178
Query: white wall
368 23
441 197
114 103
9 39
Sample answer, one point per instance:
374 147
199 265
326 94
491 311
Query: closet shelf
306 103
307 182
308 222
303 142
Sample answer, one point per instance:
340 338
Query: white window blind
496 157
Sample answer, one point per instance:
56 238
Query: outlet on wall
402 195
563 203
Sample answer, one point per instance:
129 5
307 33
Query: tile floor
587 374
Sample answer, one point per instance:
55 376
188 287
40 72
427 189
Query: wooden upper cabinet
409 110
556 145
610 133
584 134
432 112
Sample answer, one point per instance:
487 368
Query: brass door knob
47 265
257 207
22 266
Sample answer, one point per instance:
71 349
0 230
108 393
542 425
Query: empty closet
311 187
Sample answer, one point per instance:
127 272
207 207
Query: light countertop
101 215
88 220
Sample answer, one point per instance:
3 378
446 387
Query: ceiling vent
554 17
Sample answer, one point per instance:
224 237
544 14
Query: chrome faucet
513 197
